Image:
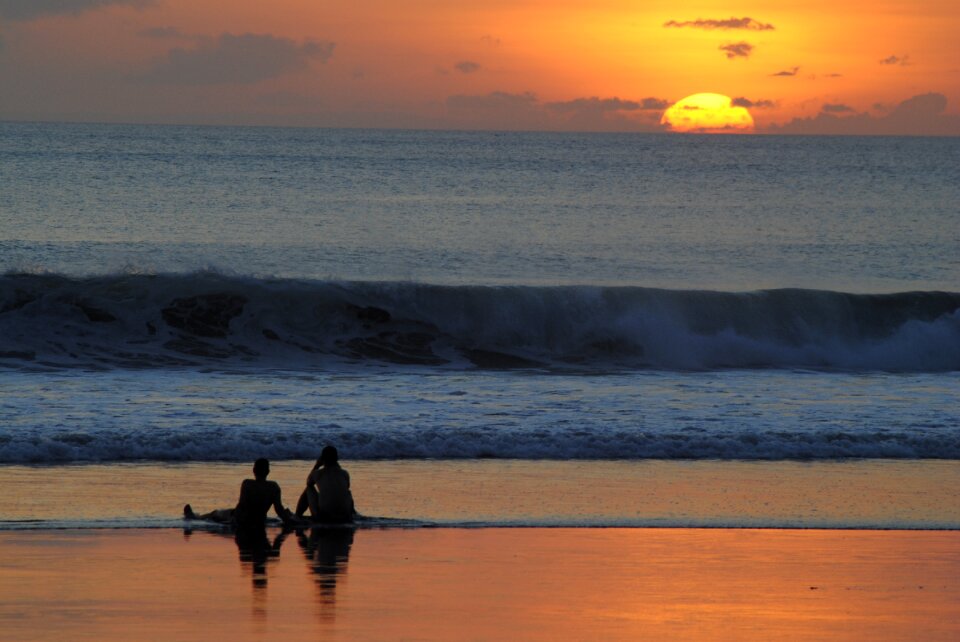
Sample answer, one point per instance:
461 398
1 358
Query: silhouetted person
256 497
328 491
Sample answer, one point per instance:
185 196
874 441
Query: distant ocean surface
219 294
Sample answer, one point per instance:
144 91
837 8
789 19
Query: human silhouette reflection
327 551
256 549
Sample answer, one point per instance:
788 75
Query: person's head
329 455
261 468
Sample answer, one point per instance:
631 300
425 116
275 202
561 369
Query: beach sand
484 584
534 571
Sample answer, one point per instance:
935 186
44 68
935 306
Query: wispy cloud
896 60
30 9
740 101
467 67
737 50
787 73
492 41
730 23
230 59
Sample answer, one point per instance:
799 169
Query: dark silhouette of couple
327 496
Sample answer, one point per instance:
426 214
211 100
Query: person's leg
313 498
303 504
221 515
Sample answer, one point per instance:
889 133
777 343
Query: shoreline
873 494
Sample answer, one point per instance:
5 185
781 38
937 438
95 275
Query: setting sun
705 113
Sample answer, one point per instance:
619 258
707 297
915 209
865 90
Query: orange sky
804 65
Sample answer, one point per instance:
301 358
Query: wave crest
204 319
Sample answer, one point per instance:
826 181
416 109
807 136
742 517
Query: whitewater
204 294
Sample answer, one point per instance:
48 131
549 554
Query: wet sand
492 583
921 494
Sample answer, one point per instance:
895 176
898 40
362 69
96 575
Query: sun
707 113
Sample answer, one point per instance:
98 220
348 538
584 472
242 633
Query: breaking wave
207 319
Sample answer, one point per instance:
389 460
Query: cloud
921 115
730 23
230 59
467 67
792 72
602 105
740 101
836 108
896 60
503 110
30 9
494 99
833 75
163 33
737 50
492 41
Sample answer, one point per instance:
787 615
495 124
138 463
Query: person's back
328 491
334 499
256 498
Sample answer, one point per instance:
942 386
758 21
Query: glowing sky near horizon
860 67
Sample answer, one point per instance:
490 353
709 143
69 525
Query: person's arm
282 512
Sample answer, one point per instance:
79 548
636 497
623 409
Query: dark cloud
730 23
654 104
467 66
896 60
792 72
30 9
230 59
502 110
599 105
162 33
494 99
837 108
740 101
737 50
921 115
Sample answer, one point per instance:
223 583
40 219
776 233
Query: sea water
216 294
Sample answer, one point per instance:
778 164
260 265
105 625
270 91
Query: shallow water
869 494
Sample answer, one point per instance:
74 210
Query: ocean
174 295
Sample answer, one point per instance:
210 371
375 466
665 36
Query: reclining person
256 497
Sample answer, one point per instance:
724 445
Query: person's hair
329 455
261 468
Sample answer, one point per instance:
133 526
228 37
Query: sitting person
256 497
328 491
